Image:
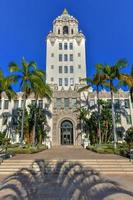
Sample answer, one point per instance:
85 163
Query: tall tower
66 60
65 66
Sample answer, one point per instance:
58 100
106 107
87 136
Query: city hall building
65 67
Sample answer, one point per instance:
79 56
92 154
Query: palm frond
13 67
84 88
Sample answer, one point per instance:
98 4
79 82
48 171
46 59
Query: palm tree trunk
99 125
23 115
113 118
34 127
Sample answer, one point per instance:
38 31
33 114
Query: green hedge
122 149
26 150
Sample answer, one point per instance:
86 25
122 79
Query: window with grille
60 57
16 104
71 46
71 81
60 69
60 46
65 57
6 104
66 103
60 81
65 69
71 57
65 46
66 81
40 103
71 69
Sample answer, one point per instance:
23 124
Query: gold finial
65 12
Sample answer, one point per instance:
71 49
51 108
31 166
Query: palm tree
6 85
30 82
98 81
40 90
112 73
128 79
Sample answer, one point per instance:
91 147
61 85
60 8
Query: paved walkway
67 152
71 183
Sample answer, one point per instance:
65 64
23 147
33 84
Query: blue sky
107 25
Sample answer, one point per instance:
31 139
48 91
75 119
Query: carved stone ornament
52 40
78 39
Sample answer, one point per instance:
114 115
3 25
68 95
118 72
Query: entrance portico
66 131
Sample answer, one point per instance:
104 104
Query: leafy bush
103 149
26 150
2 137
122 149
129 137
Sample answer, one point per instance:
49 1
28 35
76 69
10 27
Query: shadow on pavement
64 181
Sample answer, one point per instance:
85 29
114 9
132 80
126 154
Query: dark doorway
66 133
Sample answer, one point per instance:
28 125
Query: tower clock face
65 30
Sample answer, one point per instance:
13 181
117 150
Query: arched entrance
66 133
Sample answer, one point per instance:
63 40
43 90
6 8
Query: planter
86 143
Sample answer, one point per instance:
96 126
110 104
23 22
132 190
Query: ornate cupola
65 24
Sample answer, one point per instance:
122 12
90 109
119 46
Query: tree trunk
113 119
99 111
34 127
23 115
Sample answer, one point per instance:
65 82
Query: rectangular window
60 57
66 103
60 69
92 103
79 54
129 120
52 54
40 103
52 79
0 104
33 102
117 118
22 103
65 69
71 57
52 66
58 103
71 69
126 103
60 81
79 66
60 46
66 81
16 104
117 104
6 104
74 103
65 57
71 46
65 46
4 119
71 81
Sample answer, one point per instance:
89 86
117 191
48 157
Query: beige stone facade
68 113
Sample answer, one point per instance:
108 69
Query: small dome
65 17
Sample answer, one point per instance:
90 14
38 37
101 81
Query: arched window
65 30
59 31
72 31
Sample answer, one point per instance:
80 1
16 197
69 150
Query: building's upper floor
66 55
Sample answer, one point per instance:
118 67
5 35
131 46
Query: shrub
129 136
26 150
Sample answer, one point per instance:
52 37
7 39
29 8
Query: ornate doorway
66 133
